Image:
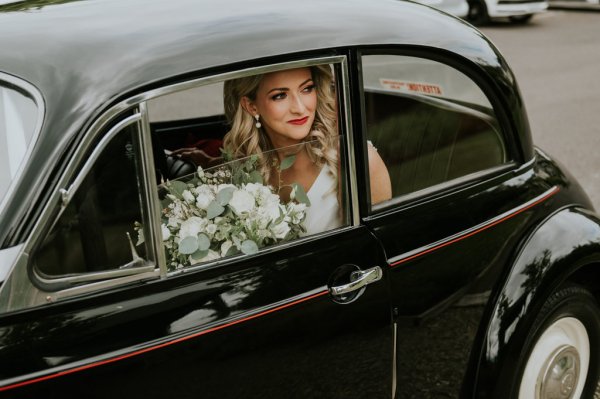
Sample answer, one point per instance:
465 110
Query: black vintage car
477 279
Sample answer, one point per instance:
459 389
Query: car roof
84 56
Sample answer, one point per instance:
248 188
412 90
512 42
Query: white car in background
517 11
459 8
481 11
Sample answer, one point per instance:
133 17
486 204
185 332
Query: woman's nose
297 105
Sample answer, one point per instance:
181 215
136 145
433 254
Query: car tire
520 19
562 353
478 14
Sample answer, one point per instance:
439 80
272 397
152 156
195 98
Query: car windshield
18 118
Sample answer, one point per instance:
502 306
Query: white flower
280 230
241 202
166 233
192 226
204 196
211 229
188 196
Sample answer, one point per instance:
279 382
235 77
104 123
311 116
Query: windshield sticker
411 87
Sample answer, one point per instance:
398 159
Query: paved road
556 59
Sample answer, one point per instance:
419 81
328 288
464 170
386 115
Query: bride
293 112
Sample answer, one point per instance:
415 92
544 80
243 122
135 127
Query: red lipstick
300 121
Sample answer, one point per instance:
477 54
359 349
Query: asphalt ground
556 60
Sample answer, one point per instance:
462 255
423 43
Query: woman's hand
197 156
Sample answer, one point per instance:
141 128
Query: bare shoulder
381 187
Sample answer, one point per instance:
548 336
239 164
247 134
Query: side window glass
18 119
254 161
96 232
429 122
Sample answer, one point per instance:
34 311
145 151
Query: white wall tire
561 357
558 363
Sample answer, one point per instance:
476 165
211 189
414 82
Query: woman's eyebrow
287 89
278 89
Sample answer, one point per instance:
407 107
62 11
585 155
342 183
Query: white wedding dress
324 211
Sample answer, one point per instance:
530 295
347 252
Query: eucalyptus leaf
300 194
226 154
238 177
188 245
165 202
177 187
203 242
287 162
256 177
231 251
199 254
224 195
214 210
249 247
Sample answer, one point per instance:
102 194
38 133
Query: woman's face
286 102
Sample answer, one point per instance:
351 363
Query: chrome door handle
359 279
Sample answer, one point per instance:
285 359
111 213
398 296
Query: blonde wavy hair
245 139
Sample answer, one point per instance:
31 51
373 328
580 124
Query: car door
457 197
88 312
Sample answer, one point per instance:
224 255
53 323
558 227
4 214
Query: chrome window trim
36 96
33 296
66 194
152 204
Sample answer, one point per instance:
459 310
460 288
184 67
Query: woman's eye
309 89
279 96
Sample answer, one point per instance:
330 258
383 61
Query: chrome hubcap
558 362
560 374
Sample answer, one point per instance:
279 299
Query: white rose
192 226
269 211
241 202
204 196
211 229
280 230
188 196
166 233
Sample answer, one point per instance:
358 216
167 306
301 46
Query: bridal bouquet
223 212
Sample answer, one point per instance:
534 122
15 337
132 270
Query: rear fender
564 243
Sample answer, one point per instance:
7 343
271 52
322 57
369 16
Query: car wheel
562 351
478 14
520 19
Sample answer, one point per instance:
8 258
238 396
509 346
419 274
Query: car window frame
43 292
514 152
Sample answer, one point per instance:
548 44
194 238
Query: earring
258 124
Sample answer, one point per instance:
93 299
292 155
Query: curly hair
245 139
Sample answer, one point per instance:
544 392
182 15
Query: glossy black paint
200 334
169 41
460 311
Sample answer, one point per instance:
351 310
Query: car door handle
359 279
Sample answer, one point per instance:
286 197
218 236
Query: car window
95 231
18 119
226 188
429 122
